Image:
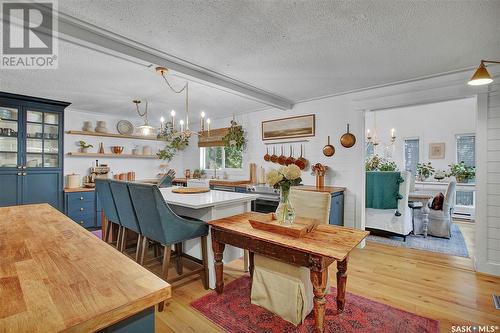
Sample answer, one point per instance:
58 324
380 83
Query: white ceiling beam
75 30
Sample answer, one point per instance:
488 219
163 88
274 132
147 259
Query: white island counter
206 207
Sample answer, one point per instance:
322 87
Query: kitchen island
56 276
209 206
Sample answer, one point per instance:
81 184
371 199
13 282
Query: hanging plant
174 143
235 136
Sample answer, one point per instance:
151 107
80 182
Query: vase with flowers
283 179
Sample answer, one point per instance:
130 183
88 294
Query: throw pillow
437 202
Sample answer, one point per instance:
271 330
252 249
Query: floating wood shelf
110 155
113 135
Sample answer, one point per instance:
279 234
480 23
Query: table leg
251 265
246 265
318 279
425 218
218 249
341 283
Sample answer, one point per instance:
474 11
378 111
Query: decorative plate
125 127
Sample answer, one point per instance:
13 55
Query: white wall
430 123
144 168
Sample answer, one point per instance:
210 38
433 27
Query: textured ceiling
297 49
93 81
307 49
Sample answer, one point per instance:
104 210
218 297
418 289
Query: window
370 149
412 151
221 158
466 149
466 152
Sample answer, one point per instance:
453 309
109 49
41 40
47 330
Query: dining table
55 276
316 250
206 207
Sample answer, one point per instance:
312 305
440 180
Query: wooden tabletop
56 276
326 240
328 189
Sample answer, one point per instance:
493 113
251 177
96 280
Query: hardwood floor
428 284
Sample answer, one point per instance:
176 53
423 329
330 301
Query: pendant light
481 75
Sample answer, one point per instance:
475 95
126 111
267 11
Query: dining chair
105 197
440 221
282 288
159 223
126 213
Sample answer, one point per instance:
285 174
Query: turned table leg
251 263
341 283
318 279
425 217
218 249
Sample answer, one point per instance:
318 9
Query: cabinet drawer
79 197
81 207
86 220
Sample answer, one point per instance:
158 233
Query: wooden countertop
329 189
79 189
56 276
326 240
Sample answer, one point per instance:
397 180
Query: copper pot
328 150
267 157
301 162
274 157
117 149
348 140
290 159
282 158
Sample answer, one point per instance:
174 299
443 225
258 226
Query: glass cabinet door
42 139
9 128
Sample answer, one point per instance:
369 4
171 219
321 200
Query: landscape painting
286 128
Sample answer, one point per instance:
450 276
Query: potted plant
84 147
388 166
283 179
461 172
424 171
377 163
439 175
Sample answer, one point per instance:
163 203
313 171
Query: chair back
106 199
160 222
449 197
124 206
313 205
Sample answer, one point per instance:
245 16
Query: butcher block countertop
79 189
328 189
56 276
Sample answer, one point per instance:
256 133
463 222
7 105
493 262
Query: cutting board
190 190
299 228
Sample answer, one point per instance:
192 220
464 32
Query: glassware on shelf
8 160
34 116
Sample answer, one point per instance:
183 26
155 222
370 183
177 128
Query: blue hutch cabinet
31 150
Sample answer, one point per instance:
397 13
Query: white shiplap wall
493 175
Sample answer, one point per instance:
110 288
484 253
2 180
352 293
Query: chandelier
184 131
372 138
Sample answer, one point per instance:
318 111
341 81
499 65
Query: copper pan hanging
301 162
290 159
282 157
348 139
267 157
328 150
274 157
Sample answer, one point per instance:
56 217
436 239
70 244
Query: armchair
440 220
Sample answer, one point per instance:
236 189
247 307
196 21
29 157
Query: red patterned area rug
233 312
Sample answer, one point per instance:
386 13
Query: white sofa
385 219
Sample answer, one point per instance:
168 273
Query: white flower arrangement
284 177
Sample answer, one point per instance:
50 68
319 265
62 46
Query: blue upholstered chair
159 223
126 213
108 205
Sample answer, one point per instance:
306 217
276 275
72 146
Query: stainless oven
264 205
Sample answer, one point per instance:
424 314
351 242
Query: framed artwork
436 151
287 128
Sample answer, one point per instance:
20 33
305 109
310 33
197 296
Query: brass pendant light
481 76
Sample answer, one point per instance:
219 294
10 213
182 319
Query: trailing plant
174 143
235 136
84 145
372 163
424 170
461 172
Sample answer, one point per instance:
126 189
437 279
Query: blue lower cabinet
143 321
81 207
337 209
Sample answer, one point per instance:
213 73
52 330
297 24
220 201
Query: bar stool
126 213
159 223
110 213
